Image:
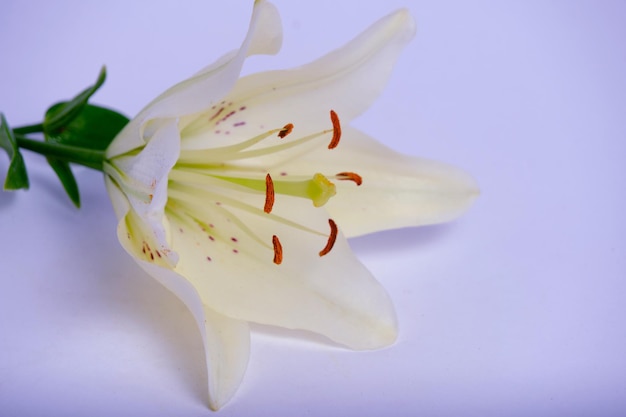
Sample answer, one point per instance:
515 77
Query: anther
350 176
286 130
278 250
269 194
336 130
331 239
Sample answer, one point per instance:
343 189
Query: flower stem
86 157
23 130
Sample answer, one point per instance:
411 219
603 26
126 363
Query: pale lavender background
516 309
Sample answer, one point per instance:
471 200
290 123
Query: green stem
86 157
23 130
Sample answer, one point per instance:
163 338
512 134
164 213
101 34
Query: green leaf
17 178
93 128
64 172
63 115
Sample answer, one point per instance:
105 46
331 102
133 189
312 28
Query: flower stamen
285 130
350 176
336 130
278 250
269 194
331 239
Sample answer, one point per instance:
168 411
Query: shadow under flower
407 239
298 337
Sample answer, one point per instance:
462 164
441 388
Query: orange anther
278 250
286 130
336 130
350 176
331 239
269 194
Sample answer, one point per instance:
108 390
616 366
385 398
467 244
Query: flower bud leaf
63 115
16 178
93 128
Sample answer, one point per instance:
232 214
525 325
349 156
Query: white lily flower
236 194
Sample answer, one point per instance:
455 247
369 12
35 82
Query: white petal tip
221 393
215 402
216 405
383 337
405 23
268 32
379 331
227 346
463 190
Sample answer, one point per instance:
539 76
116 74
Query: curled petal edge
206 87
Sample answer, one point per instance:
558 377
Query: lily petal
397 190
347 80
227 344
141 195
226 341
232 270
210 84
